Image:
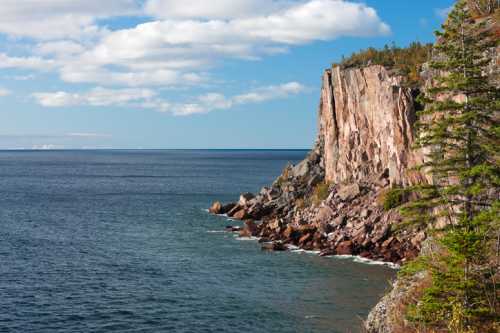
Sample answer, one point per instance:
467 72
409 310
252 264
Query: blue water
118 241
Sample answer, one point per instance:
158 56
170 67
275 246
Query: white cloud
60 48
35 63
179 44
271 92
174 50
215 101
52 19
214 9
89 135
46 146
96 97
22 77
148 99
4 92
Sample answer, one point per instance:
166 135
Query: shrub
407 60
392 198
320 192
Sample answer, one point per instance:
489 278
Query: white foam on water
366 261
299 250
311 316
216 231
296 249
246 238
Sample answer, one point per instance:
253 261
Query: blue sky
165 74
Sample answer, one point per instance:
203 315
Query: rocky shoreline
349 220
334 201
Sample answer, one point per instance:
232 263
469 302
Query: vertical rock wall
366 120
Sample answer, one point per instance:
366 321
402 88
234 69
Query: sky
177 74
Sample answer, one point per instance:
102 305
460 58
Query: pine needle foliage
459 130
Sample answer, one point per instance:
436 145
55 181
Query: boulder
349 192
289 232
240 215
344 248
245 233
274 246
216 208
325 214
251 227
227 208
305 238
234 210
327 252
418 239
273 194
301 169
339 221
274 224
245 198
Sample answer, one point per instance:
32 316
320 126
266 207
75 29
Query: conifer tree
459 130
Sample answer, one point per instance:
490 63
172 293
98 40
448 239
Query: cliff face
332 201
366 119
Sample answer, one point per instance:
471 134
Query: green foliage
320 192
395 197
413 267
459 129
407 61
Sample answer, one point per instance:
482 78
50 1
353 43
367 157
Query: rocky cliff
333 201
366 121
338 200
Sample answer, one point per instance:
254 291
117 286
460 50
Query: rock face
332 201
366 118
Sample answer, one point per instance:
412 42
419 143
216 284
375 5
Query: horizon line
146 149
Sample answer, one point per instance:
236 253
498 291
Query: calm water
118 241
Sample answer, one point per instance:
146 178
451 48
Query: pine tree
459 129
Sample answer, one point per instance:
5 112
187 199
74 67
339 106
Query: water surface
118 241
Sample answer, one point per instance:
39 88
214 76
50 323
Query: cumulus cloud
35 63
215 9
60 48
216 101
182 41
271 92
148 99
96 97
177 43
52 19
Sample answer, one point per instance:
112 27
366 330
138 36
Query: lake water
119 241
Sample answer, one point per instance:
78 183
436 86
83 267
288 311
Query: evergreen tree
459 130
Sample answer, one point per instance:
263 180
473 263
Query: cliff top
406 61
